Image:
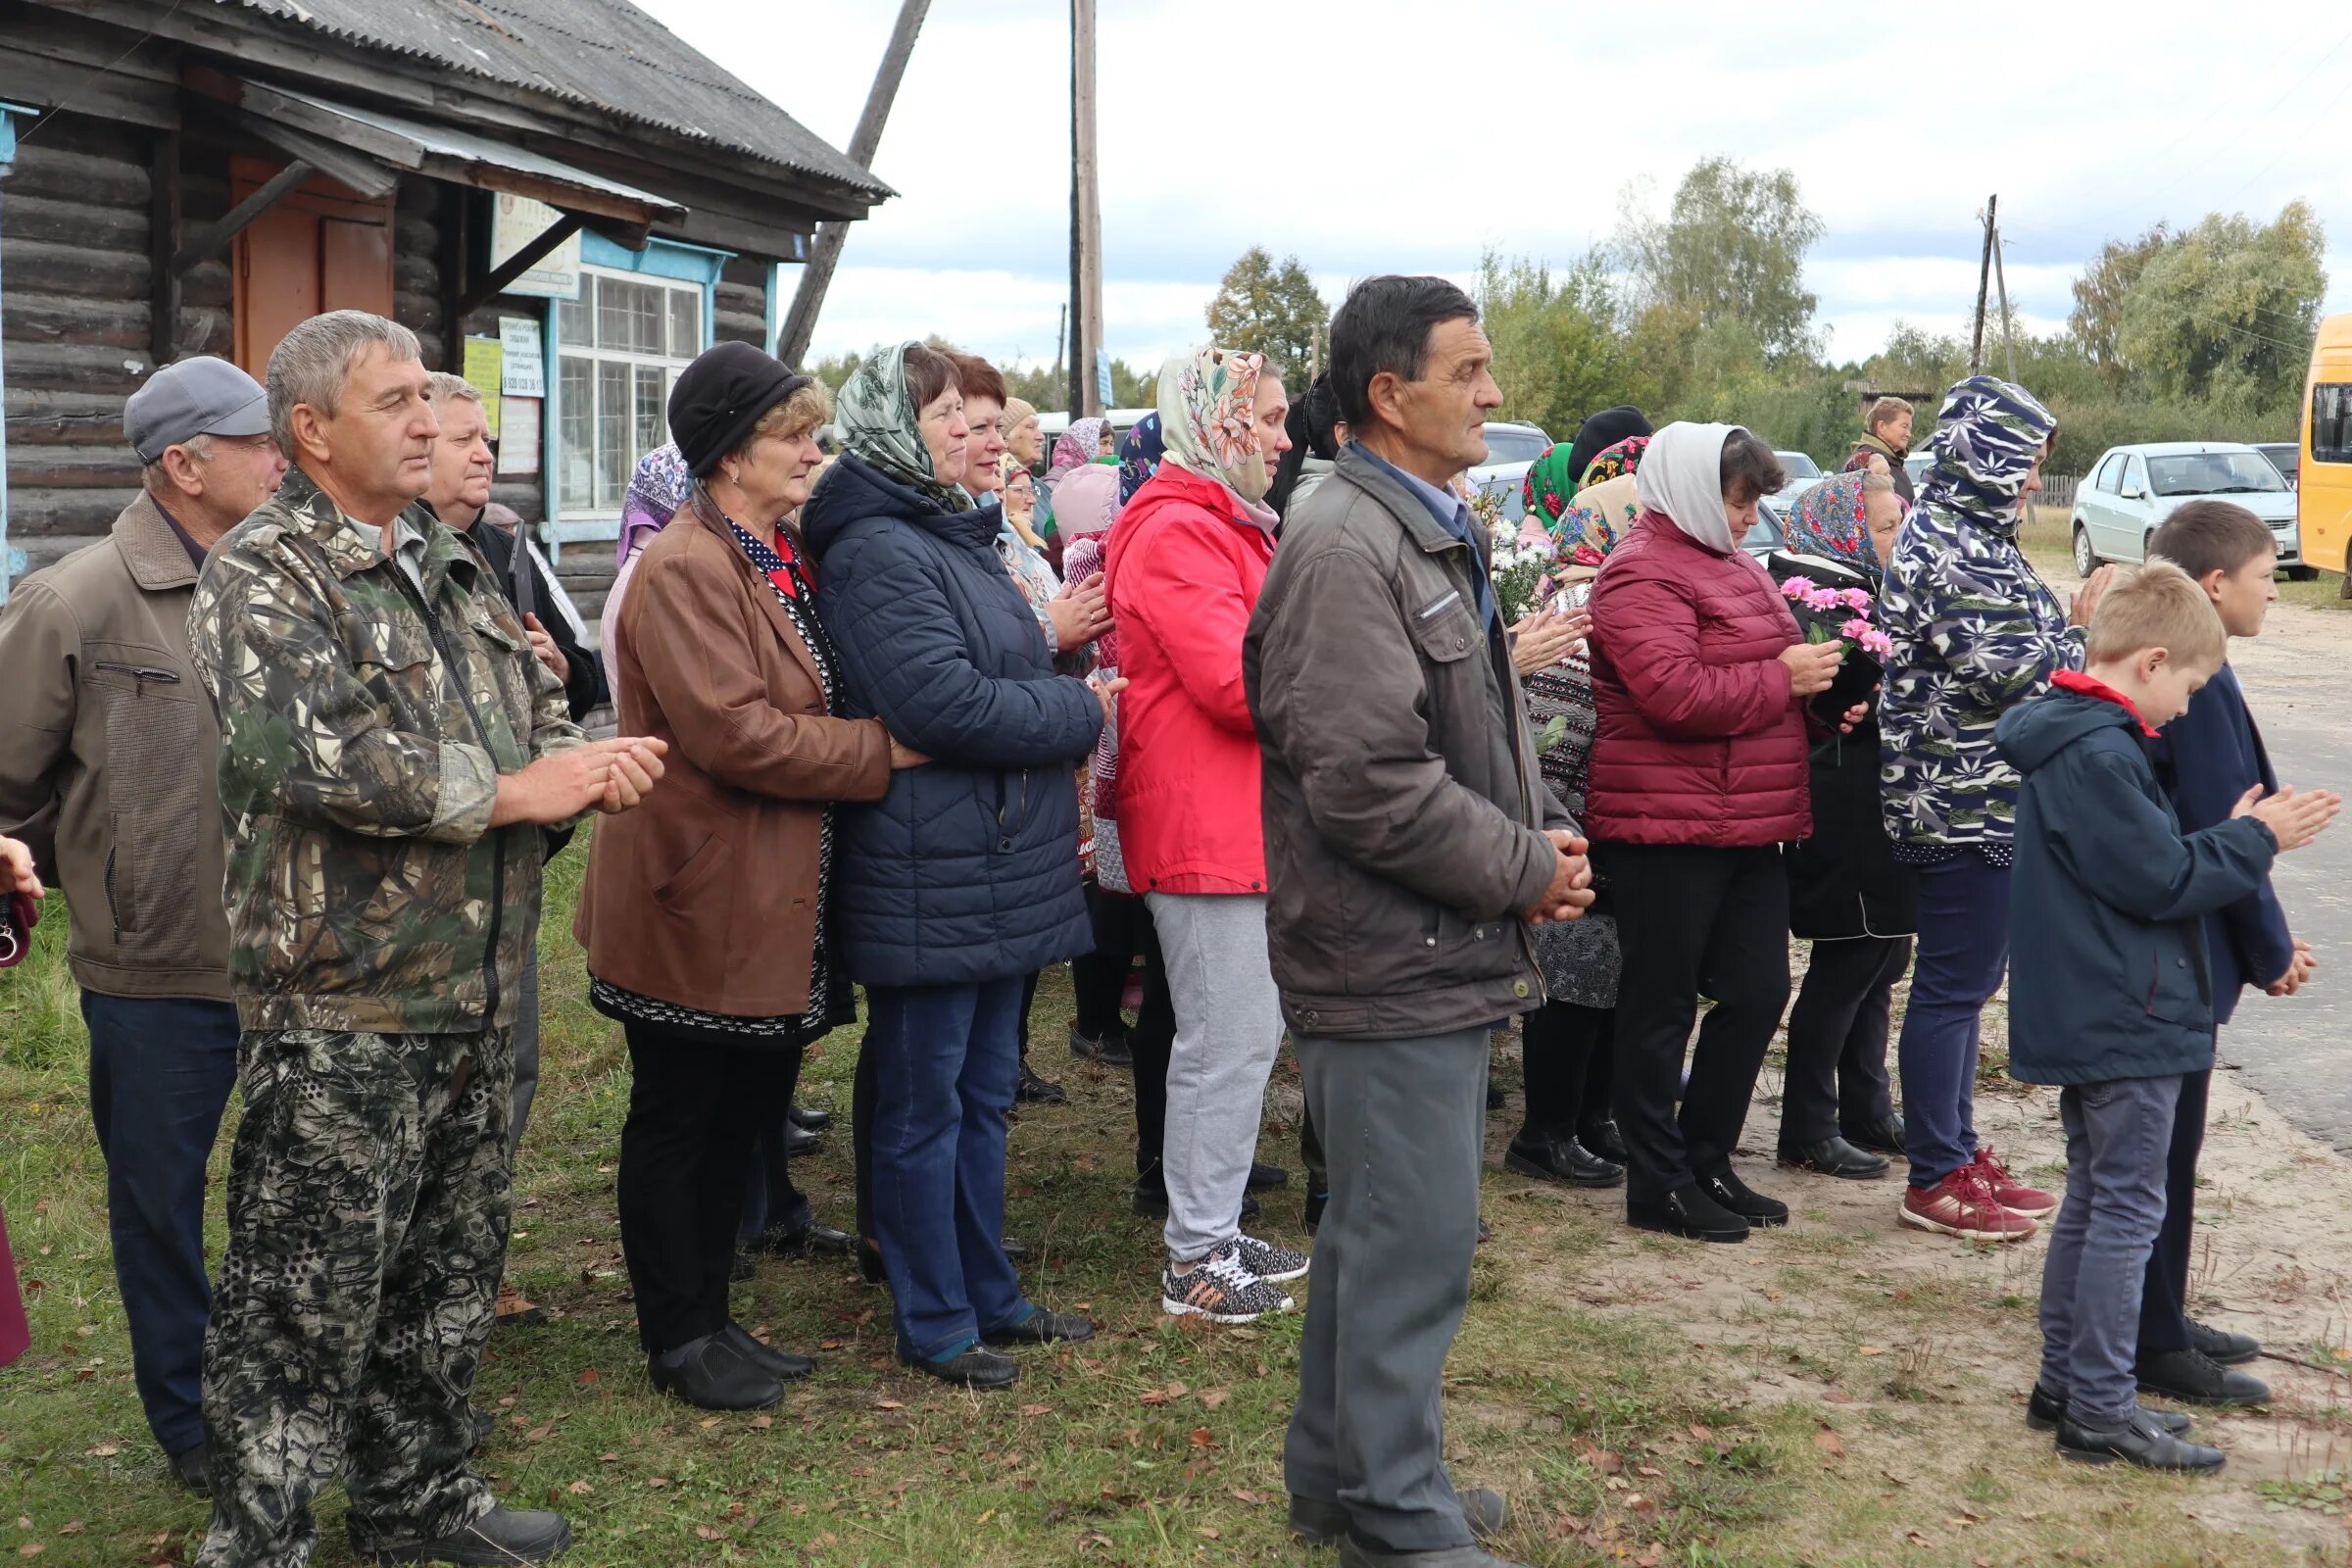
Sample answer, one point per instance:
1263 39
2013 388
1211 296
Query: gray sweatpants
1228 1030
2119 1134
1403 1125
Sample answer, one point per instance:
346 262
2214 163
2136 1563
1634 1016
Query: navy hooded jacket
2206 758
2108 976
968 870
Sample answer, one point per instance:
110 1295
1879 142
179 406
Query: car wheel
2301 573
2086 559
2148 545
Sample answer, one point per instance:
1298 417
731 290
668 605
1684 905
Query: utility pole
1061 335
1086 217
792 341
1975 345
2001 280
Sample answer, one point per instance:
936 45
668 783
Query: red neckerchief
2066 680
783 576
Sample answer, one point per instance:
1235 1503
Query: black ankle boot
1688 1211
500 1537
1603 1139
712 1374
1744 1200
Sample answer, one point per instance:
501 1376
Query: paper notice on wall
518 449
484 363
523 374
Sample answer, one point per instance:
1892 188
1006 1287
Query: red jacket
1699 740
1182 577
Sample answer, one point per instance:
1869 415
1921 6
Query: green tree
2097 322
1557 352
1262 307
2228 308
1731 247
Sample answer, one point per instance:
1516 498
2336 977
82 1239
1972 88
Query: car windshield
2214 473
1764 535
1510 444
1799 466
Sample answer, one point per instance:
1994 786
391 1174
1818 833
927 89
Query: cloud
1380 135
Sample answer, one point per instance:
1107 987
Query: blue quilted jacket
968 870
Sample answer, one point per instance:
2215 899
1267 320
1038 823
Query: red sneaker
1963 1204
2010 1193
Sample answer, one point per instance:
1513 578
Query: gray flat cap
202 396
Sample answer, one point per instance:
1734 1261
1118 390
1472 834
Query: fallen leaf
608 1458
540 1434
1600 1459
72 1527
507 1404
579 1489
592 1375
1246 1498
1201 1438
1177 1391
1211 1398
31 1548
889 1405
1156 1396
709 1533
1037 1409
1207 1532
658 1482
1838 1396
104 1450
1869 1349
1652 1556
1647 1470
828 1344
1699 1432
1829 1442
709 1421
1643 1506
760 1423
1922 1540
986 1514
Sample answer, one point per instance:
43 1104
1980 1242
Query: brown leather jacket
706 895
107 753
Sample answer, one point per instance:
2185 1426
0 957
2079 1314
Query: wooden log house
195 178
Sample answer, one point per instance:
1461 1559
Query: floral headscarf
1605 507
878 421
1078 446
1988 438
1006 466
658 488
1549 489
1207 420
1829 521
1140 452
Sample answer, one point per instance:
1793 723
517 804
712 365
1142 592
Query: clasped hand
1569 892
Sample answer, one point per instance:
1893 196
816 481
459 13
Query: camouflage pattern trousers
368 1197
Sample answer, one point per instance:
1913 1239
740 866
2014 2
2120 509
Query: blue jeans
945 1059
1962 953
161 1069
2117 1134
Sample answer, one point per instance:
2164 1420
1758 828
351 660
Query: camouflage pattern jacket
363 730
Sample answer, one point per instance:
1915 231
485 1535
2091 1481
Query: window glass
2331 422
622 344
2214 473
2110 477
2135 475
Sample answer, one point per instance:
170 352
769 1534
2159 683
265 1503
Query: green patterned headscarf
878 421
1550 487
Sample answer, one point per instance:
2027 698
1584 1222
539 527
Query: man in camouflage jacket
388 743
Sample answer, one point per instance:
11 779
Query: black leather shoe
807 1120
1603 1139
712 1374
1835 1157
2141 1442
2222 1346
1688 1211
1885 1136
502 1535
1111 1051
188 1467
975 1368
1316 1202
798 1142
807 1239
1265 1178
1035 1091
782 1365
2044 1410
1744 1200
2194 1377
1561 1159
1321 1522
1042 1327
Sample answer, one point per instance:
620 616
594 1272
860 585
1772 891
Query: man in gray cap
109 774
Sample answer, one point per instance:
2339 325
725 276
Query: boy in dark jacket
2206 758
2109 990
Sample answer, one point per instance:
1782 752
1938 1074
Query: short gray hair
157 479
441 388
312 363
1878 485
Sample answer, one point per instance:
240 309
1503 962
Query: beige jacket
107 761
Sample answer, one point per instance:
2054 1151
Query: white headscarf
1681 477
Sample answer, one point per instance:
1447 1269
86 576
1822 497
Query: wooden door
323 248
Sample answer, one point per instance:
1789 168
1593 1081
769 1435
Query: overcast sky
1384 135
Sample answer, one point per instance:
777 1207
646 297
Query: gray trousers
526 1056
1228 1031
2117 1135
1403 1125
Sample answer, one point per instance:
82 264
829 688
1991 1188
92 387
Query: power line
66 102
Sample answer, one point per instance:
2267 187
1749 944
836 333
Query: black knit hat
719 397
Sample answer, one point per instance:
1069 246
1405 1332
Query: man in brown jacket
1411 843
109 774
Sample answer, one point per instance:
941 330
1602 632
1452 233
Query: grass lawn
1637 1410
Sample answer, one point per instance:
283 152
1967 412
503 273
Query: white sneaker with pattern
1220 1289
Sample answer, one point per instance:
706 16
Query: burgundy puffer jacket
1698 740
